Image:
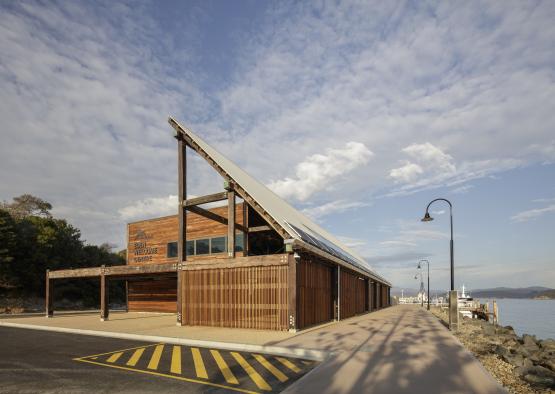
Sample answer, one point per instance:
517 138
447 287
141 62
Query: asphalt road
38 361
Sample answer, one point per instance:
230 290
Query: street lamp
420 267
453 299
428 218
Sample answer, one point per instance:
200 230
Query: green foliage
32 241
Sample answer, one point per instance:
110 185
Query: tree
27 205
8 240
32 241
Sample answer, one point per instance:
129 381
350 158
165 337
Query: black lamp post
428 218
420 267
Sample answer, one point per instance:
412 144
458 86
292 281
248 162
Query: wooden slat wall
314 292
242 297
353 294
152 295
160 231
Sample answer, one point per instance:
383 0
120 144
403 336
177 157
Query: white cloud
532 213
434 168
332 207
407 173
150 207
319 171
86 88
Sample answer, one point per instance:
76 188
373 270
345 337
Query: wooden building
253 262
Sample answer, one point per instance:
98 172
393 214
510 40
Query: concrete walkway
402 349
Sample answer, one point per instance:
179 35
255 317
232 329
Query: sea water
534 317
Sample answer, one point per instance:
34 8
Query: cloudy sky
357 113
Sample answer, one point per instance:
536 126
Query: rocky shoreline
522 364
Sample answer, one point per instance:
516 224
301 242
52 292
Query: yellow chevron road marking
114 357
135 357
256 378
200 369
155 359
276 372
176 360
228 375
288 364
83 360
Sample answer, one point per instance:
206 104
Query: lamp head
427 217
419 266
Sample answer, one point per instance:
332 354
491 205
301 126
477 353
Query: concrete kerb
310 354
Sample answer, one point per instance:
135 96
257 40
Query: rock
519 349
518 361
502 351
507 331
549 364
548 343
539 380
540 376
489 329
529 341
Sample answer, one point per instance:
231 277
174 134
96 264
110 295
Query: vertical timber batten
230 221
182 218
104 290
49 295
292 291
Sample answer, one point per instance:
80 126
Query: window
172 249
239 242
218 245
190 248
202 246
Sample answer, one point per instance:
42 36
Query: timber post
292 291
245 229
104 296
230 220
338 293
182 214
49 295
367 291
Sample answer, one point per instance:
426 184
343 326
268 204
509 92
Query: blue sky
358 114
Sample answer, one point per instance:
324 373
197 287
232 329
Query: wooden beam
231 223
238 262
259 228
206 199
207 214
334 289
292 291
242 193
75 273
49 295
182 218
104 292
116 270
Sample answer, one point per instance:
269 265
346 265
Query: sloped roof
297 225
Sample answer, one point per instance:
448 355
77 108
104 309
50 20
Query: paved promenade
402 349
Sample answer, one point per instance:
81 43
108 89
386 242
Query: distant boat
465 302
